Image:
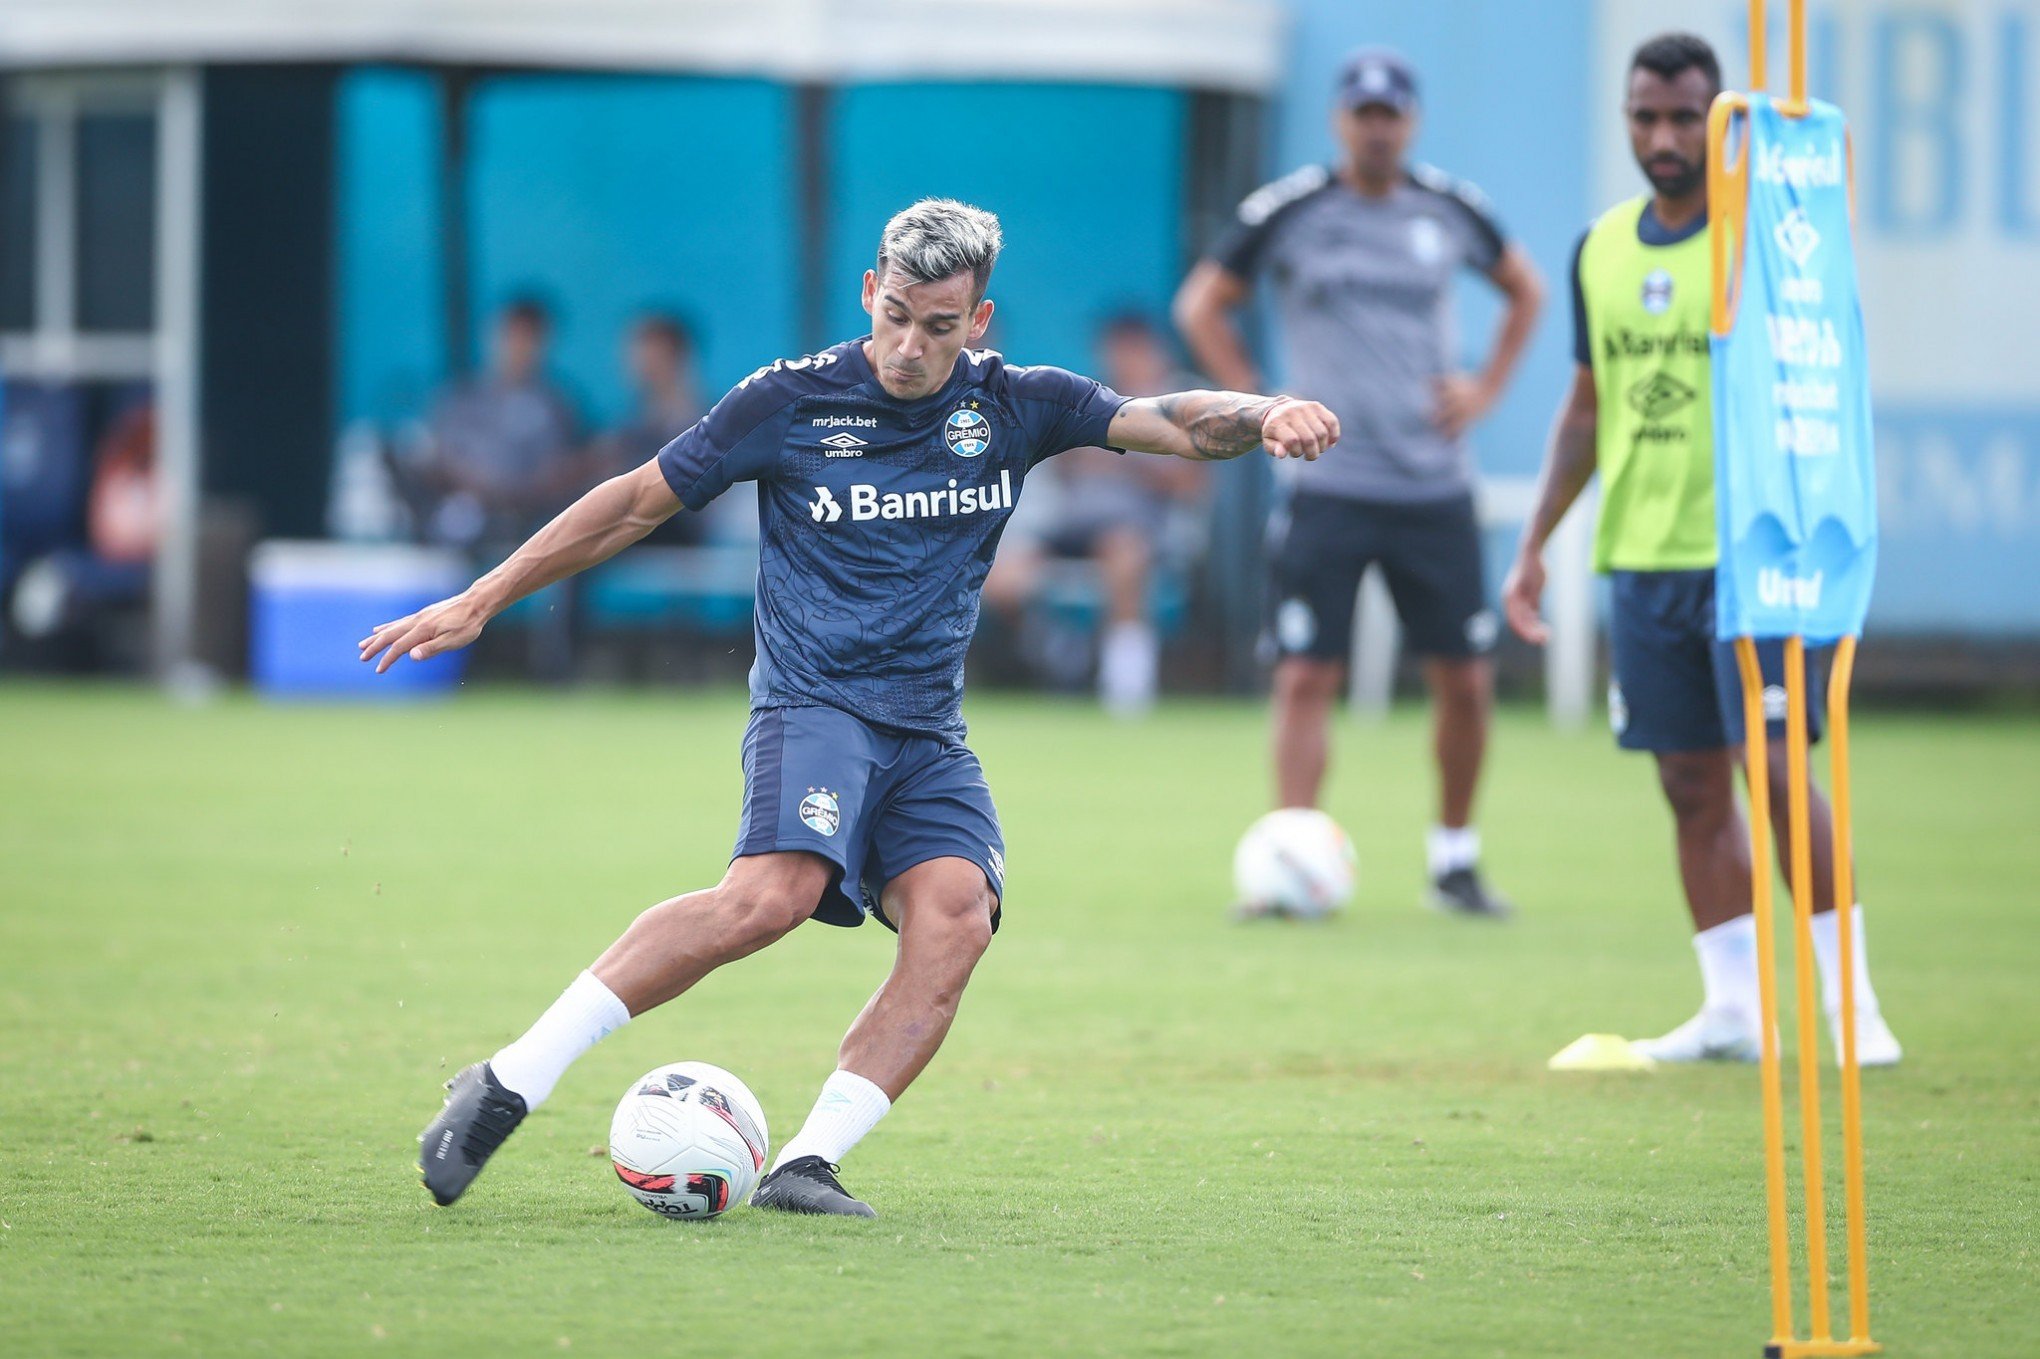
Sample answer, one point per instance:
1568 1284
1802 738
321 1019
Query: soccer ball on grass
688 1140
1294 862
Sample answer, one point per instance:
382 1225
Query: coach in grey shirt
1361 257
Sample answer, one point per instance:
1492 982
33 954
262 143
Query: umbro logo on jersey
1658 395
944 502
843 445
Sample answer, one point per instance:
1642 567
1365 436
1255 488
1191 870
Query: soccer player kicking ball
1639 413
887 467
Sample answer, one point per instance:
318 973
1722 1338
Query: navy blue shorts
872 801
1429 553
1675 686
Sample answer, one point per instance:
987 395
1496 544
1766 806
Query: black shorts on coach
1429 553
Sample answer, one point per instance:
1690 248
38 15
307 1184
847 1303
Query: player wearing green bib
1644 289
1640 415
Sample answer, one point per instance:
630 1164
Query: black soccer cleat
808 1184
1462 893
480 1112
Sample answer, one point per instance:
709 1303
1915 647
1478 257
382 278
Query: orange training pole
1795 57
1767 987
1728 197
1760 39
1852 1074
1801 843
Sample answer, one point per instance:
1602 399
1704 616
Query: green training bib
1647 314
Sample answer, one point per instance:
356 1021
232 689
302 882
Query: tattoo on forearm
1220 424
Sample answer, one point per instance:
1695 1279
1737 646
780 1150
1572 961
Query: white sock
1827 952
848 1107
1450 847
1728 967
1128 659
585 1014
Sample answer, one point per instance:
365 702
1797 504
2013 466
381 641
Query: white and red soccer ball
1294 862
688 1140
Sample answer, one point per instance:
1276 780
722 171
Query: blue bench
706 590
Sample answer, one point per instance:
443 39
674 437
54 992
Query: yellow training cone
1601 1052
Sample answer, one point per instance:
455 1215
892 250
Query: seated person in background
71 591
499 458
1114 510
123 516
658 354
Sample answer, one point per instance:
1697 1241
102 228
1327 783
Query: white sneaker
1710 1036
1876 1044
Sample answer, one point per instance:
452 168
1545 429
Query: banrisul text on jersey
867 501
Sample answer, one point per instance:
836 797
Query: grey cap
1378 75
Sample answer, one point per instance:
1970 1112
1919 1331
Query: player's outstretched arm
1214 426
1569 465
593 529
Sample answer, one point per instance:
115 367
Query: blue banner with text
1794 464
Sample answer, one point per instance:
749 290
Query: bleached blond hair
937 237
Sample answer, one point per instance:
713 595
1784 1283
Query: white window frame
54 349
166 356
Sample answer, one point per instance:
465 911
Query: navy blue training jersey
878 517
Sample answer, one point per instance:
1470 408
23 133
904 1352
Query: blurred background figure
1125 514
659 357
1363 256
76 597
500 455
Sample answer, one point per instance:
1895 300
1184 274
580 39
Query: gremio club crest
969 433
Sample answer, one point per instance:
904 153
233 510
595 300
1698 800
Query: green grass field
241 946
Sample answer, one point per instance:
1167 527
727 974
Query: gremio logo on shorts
865 501
820 812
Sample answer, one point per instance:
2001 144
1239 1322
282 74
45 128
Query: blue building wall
1086 180
607 195
391 349
603 195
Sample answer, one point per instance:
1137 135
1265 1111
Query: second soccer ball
1294 862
